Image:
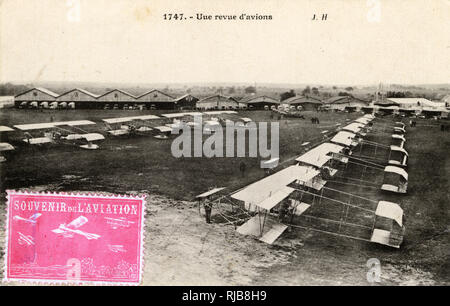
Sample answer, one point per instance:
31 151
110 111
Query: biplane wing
130 119
49 125
92 137
5 129
266 228
4 146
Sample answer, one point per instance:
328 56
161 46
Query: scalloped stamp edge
140 196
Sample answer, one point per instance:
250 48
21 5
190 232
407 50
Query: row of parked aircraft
75 133
304 195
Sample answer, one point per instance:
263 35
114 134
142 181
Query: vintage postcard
195 143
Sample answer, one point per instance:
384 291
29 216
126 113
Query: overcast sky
128 41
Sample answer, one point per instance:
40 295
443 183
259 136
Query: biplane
69 230
164 132
383 151
299 197
135 125
63 132
373 158
5 146
292 198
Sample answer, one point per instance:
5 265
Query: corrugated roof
185 96
259 99
41 89
217 97
47 91
344 99
119 90
302 99
155 90
81 90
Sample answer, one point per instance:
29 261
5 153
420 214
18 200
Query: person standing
242 168
208 209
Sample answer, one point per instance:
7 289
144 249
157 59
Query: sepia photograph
224 143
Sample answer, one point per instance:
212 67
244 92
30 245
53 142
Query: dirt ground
181 249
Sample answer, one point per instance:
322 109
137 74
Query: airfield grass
143 163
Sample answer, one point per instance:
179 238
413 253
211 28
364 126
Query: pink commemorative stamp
74 238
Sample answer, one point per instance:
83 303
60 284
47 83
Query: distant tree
315 91
395 94
349 88
9 89
250 89
286 95
188 90
231 90
334 87
343 93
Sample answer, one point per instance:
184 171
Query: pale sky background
128 41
